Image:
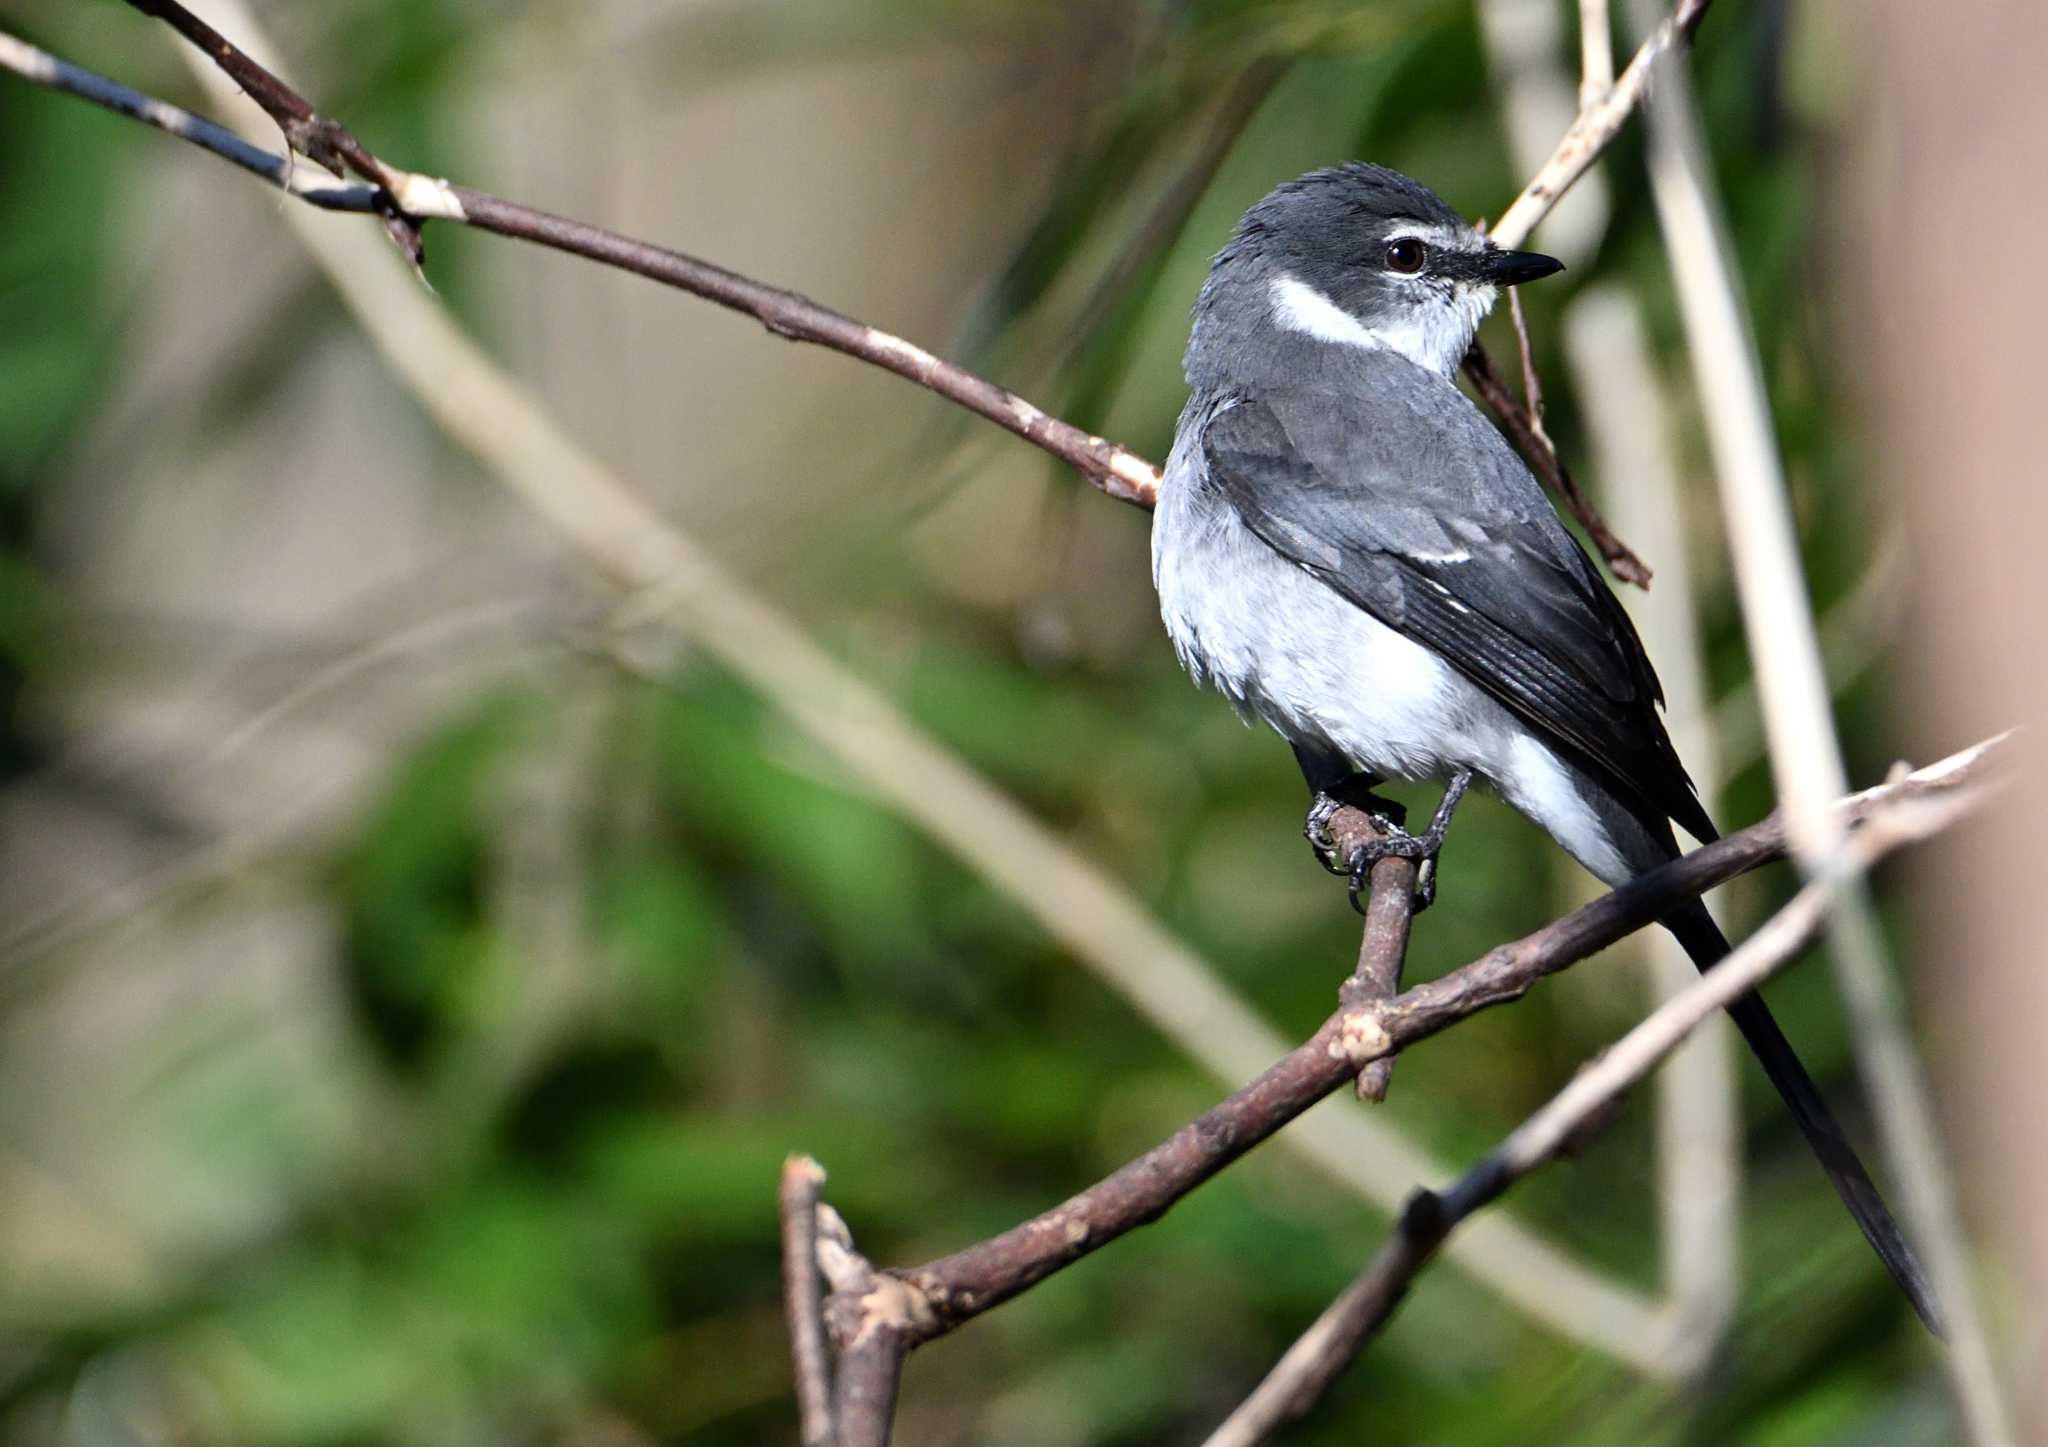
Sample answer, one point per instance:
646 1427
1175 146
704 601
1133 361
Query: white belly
1285 648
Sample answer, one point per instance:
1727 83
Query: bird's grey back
1436 465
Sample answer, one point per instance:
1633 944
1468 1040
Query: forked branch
946 1293
1314 1363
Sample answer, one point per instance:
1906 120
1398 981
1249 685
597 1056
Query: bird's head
1362 256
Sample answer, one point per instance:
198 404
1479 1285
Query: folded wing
1453 544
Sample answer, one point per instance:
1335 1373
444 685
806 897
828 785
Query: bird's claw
1396 842
1315 827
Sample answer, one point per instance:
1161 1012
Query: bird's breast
1287 649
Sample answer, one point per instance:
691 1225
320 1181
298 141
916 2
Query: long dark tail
1703 940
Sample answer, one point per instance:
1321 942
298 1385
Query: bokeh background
405 1009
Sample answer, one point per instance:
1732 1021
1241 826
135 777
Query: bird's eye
1406 255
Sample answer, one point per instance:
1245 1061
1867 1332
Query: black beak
1512 268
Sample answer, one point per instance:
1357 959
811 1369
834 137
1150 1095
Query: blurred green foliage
551 1217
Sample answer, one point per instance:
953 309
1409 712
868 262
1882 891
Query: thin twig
1307 1371
332 146
1596 53
803 1299
958 1287
1116 471
1119 473
1532 383
1596 125
45 69
1806 758
1534 446
1595 129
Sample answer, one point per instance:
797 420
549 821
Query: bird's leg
1397 843
1439 827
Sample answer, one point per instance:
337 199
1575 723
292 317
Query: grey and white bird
1348 550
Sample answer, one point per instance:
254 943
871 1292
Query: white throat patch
1434 335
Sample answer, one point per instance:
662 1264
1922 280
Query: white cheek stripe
1299 307
1435 337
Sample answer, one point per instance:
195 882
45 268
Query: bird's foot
1396 842
1316 826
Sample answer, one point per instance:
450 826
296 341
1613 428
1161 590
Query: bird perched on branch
1347 549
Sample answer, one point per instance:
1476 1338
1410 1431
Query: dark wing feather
1452 543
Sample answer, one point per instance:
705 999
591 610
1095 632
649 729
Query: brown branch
956 1288
1600 119
874 1320
1595 128
1532 381
414 199
1383 943
1116 471
407 200
1315 1361
803 1302
305 131
1300 1378
294 116
1534 444
870 1371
